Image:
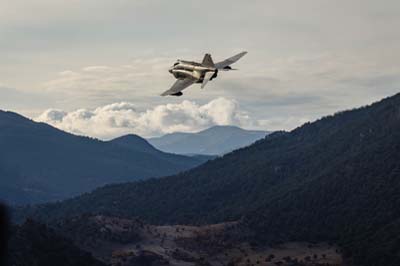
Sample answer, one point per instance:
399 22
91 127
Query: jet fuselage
188 69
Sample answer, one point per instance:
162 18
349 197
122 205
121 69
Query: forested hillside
40 163
337 179
34 244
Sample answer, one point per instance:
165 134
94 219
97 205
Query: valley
331 181
334 180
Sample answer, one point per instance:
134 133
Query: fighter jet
188 72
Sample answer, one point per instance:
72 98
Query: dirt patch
123 242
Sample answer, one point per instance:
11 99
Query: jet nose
170 70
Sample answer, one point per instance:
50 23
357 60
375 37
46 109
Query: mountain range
336 180
40 163
216 140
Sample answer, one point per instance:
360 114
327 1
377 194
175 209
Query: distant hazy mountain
213 141
40 163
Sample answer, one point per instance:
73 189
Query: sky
97 67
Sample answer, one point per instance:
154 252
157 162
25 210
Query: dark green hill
136 143
34 244
41 163
336 179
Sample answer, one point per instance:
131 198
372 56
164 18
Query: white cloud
122 118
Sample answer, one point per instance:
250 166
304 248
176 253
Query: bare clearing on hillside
124 242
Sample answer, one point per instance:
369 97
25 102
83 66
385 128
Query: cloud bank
122 118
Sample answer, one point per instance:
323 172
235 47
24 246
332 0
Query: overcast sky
97 67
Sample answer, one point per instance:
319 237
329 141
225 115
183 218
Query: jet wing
179 86
229 61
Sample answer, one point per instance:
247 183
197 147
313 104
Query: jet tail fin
207 61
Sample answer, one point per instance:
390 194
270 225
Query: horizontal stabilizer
228 68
